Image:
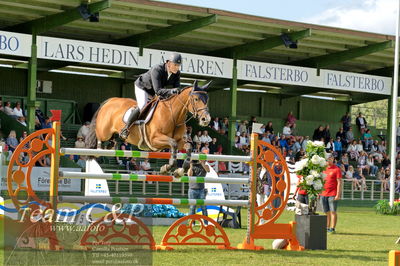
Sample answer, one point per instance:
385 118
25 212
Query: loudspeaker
89 110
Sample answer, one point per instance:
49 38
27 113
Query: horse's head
198 104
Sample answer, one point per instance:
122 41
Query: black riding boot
132 118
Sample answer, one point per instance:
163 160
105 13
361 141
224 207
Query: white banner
127 56
356 82
15 44
307 77
40 180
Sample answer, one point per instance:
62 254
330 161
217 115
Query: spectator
382 147
243 141
360 147
84 130
383 177
225 126
1 106
216 124
21 120
304 142
188 135
197 138
242 127
197 190
352 150
252 120
375 152
79 143
145 165
295 145
371 163
398 134
132 165
361 123
266 137
18 110
126 145
24 135
360 179
385 162
326 134
206 148
345 161
205 138
331 193
8 110
283 143
290 156
338 148
346 122
286 130
350 177
367 137
342 136
291 119
330 147
197 148
300 155
213 146
81 162
123 161
318 133
269 127
12 141
349 136
46 123
362 162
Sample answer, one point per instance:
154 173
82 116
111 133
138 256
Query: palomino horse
166 127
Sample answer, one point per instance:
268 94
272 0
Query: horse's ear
195 85
205 87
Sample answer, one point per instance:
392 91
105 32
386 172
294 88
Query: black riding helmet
175 58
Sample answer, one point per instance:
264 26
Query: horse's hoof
165 169
179 173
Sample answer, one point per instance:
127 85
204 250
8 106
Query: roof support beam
158 35
255 47
386 71
338 57
44 24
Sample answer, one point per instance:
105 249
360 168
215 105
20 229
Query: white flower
322 162
317 185
315 159
318 143
310 180
300 165
314 173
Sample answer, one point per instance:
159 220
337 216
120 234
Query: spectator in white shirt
243 140
215 124
18 110
84 130
8 110
21 119
398 134
205 138
197 137
286 130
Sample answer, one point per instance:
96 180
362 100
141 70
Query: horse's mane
175 95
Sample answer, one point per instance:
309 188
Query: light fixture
288 41
87 15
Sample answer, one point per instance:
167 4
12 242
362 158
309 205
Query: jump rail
156 178
94 199
152 155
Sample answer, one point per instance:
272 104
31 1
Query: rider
155 81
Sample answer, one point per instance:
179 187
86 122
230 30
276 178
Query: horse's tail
91 137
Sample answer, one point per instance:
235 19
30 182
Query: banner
127 56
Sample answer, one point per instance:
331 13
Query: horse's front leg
164 141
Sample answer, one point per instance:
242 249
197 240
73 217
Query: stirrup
124 133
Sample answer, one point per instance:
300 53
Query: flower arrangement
311 169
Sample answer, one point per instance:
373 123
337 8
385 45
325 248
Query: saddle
146 114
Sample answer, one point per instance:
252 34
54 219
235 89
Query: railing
374 191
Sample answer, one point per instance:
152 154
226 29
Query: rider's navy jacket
155 81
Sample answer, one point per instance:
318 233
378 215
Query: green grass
362 238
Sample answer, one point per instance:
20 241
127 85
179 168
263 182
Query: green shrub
383 207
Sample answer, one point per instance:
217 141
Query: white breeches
142 97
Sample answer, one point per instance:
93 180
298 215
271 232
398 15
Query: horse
165 129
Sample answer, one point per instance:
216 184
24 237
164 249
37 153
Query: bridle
196 112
